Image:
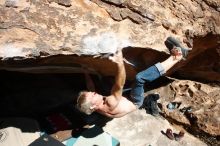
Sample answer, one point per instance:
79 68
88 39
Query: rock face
54 36
43 29
197 109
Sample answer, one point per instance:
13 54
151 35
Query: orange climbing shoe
169 134
179 136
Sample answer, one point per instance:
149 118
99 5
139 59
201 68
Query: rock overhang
96 29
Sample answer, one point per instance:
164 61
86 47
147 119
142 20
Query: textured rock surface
204 102
39 29
55 36
143 130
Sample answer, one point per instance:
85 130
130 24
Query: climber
116 105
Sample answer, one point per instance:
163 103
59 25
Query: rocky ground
142 129
197 107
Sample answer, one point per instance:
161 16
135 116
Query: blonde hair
83 104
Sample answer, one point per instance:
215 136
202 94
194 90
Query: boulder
65 33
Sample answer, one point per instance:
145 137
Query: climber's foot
176 49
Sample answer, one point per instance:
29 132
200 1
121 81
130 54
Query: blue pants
146 76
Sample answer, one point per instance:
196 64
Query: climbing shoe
173 105
154 108
175 47
169 134
179 136
150 104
